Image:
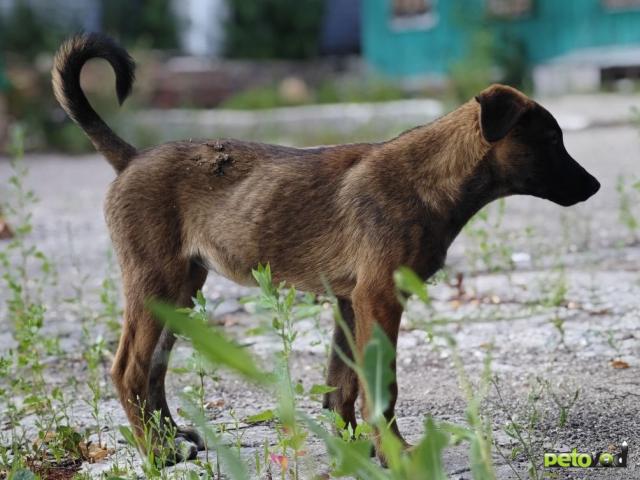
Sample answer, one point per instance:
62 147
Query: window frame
607 8
421 21
524 14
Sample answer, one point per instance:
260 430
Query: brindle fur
349 215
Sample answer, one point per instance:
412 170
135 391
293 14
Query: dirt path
576 272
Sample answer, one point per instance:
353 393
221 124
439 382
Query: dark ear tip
477 97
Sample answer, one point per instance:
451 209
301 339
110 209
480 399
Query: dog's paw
377 451
185 449
181 450
192 435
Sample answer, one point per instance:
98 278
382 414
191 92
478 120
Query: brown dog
350 214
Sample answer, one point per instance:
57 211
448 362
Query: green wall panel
555 27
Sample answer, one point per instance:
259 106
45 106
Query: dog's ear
500 109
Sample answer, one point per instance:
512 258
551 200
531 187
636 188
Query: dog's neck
482 187
449 164
443 155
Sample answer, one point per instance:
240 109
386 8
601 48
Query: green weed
24 388
490 248
525 429
350 456
628 199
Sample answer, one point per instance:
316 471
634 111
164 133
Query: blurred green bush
25 32
273 28
329 91
29 33
491 57
151 23
28 39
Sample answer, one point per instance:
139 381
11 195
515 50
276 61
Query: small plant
93 355
158 442
219 351
554 289
479 433
628 199
24 388
554 297
41 437
280 302
524 429
522 432
111 311
564 401
558 324
611 340
490 248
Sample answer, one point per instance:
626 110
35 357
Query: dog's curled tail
68 63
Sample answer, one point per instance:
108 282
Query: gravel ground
505 309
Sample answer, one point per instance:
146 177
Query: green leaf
362 429
262 275
379 355
392 448
200 300
479 449
426 458
289 299
481 466
209 342
407 281
127 434
351 458
301 312
321 389
263 416
458 433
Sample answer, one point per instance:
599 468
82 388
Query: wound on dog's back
215 159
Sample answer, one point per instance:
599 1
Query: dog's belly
236 261
226 263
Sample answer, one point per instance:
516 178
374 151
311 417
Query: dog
349 215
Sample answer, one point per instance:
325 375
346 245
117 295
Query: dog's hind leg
140 363
339 375
162 352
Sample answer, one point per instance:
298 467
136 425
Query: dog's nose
593 185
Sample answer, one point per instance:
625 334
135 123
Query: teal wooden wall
555 27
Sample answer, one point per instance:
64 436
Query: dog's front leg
376 303
339 375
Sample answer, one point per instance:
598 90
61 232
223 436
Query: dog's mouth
579 192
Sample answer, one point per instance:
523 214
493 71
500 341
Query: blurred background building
248 54
567 44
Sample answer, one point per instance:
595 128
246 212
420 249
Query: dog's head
528 148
